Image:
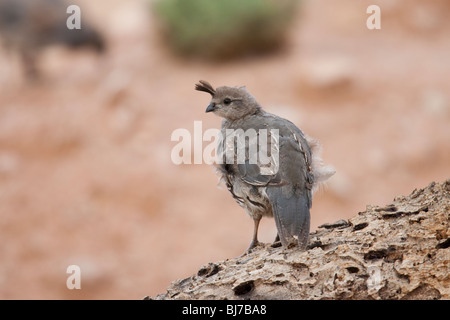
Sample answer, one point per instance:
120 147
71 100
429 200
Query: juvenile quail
295 169
27 26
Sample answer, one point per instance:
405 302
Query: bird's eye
227 101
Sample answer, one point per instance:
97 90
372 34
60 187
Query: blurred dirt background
86 175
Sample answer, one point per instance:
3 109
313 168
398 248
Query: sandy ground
86 176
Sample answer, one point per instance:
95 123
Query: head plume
206 87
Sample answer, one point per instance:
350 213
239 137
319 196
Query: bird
281 188
28 26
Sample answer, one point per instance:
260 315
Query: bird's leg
276 243
255 241
277 238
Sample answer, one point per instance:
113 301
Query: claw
255 243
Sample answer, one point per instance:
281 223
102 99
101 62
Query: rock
398 251
338 224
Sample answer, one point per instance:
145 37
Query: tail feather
321 172
292 217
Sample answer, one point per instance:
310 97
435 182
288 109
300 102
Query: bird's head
230 103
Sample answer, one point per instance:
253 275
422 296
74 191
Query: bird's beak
211 107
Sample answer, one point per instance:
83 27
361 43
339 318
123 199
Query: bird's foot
276 244
253 245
